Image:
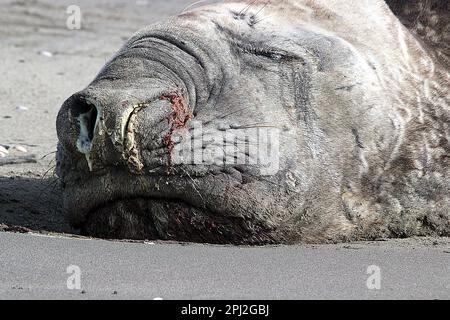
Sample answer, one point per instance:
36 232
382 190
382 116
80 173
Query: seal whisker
246 8
253 125
192 5
193 183
46 155
224 115
46 172
260 10
262 19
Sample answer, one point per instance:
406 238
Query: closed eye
257 48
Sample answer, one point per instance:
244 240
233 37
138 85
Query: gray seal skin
361 104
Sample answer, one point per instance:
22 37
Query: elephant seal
265 122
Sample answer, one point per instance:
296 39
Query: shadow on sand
32 203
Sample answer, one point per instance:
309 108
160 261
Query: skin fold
358 104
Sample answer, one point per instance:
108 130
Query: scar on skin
177 120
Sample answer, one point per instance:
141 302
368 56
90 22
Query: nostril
90 121
86 113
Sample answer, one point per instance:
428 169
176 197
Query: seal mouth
148 218
89 194
166 207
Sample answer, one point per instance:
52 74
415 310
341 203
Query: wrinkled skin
360 104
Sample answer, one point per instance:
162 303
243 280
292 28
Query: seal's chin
161 219
142 219
116 204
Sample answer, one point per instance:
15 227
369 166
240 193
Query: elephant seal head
253 123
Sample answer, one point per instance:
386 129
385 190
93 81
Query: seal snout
100 127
